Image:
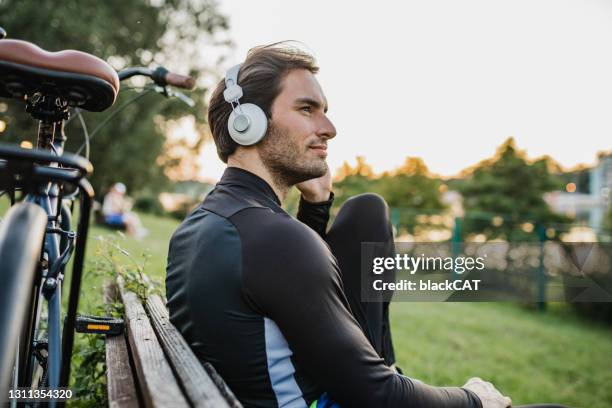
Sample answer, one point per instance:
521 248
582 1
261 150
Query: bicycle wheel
22 233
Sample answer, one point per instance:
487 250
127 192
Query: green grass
531 356
528 355
152 250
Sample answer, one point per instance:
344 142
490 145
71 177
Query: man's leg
364 218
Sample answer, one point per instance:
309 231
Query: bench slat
201 390
157 381
121 388
222 386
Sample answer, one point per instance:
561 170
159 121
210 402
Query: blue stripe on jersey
280 368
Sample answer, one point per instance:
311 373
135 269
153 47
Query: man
273 302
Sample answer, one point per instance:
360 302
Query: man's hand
489 396
316 190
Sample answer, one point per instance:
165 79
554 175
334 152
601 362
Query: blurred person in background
116 210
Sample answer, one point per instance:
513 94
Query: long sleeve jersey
259 295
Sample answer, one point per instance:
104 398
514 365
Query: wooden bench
151 364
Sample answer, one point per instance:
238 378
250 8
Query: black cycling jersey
259 295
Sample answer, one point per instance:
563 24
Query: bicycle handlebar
161 76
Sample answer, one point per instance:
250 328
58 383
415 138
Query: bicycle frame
42 174
58 248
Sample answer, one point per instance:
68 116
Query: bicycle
36 235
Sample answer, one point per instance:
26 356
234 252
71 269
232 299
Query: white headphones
247 123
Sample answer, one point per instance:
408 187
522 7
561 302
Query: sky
447 80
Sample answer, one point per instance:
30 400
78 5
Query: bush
148 203
183 209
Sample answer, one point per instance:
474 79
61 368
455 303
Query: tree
351 180
411 185
175 33
503 197
410 189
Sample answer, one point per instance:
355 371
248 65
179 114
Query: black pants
365 218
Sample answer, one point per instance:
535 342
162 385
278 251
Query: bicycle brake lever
172 93
187 100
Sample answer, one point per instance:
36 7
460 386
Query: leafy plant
89 356
89 381
114 258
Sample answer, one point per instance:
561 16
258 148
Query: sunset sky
447 80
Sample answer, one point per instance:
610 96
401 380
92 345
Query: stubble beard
281 155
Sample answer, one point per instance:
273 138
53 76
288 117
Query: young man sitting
272 302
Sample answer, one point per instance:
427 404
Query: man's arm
293 278
315 215
315 201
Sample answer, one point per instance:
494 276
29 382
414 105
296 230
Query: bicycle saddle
82 79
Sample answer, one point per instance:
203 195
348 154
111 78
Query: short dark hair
260 77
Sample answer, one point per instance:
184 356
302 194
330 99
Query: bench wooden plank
121 388
156 379
222 386
120 382
201 390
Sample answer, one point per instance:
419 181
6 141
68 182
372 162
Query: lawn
529 355
152 250
532 356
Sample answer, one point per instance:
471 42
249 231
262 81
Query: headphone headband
233 91
232 75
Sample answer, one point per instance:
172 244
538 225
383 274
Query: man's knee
372 200
366 215
368 205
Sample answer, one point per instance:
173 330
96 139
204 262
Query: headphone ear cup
258 124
